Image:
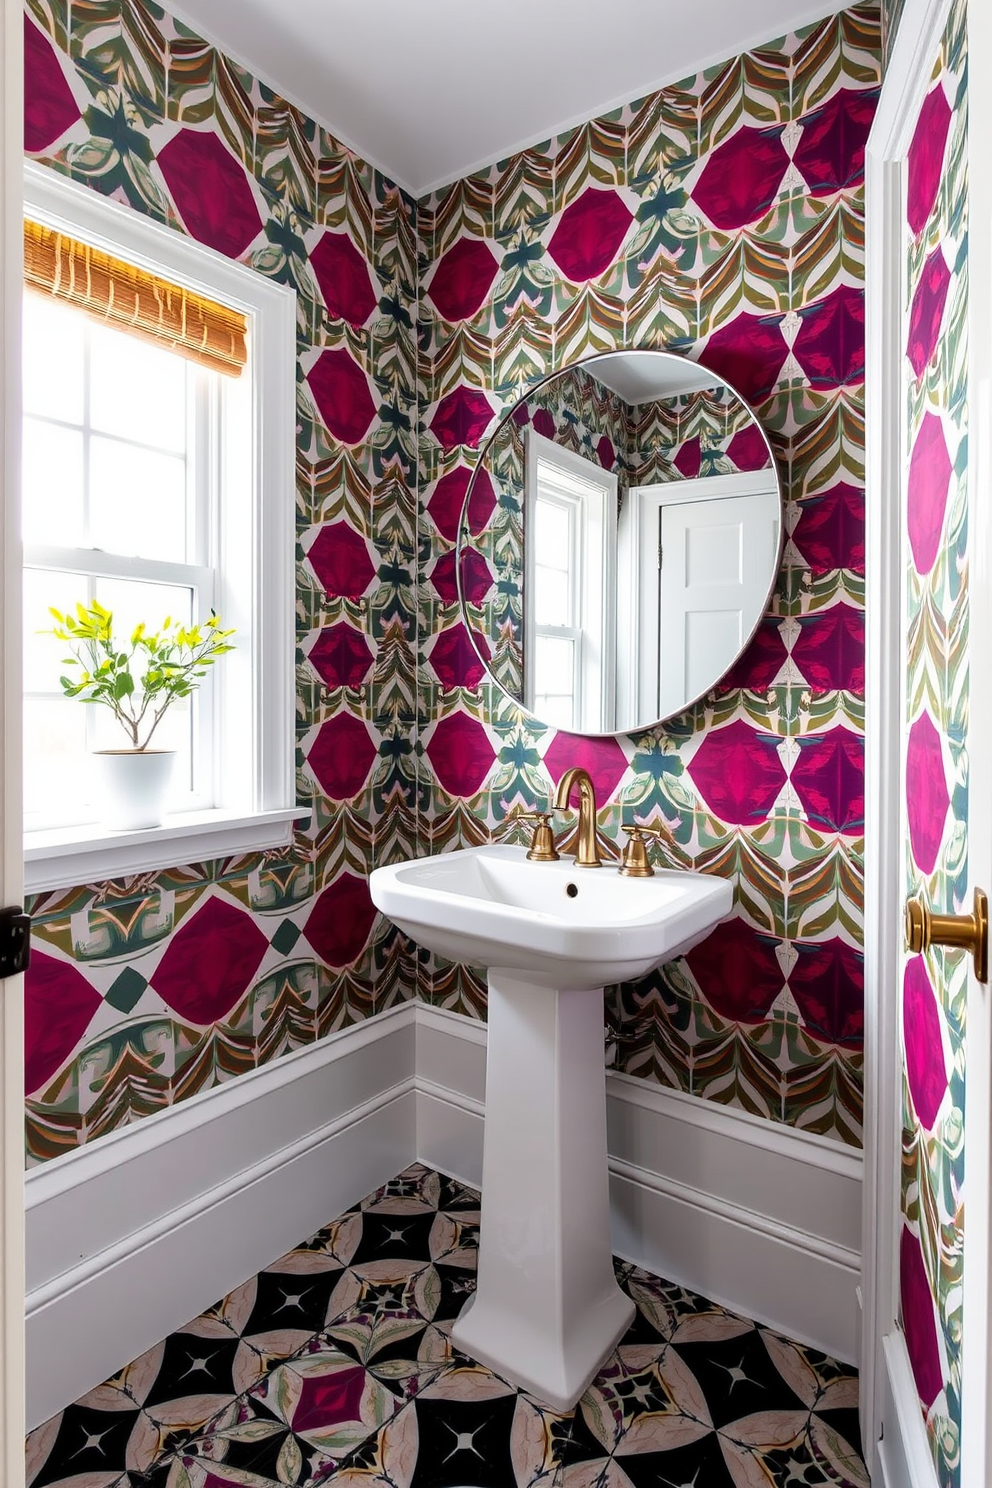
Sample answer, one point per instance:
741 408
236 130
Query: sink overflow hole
571 890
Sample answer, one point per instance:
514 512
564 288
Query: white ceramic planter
130 786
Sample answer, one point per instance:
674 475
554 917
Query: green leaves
138 683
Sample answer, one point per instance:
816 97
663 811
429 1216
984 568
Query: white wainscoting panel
131 1237
137 1234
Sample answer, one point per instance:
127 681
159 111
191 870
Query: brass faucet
588 852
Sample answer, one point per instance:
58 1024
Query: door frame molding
884 1358
11 866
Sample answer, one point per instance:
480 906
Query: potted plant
137 680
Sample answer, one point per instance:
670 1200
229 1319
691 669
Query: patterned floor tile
335 1364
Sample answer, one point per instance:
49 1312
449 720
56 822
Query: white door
702 584
11 989
926 1369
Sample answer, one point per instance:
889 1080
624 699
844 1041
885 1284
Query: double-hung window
157 481
569 587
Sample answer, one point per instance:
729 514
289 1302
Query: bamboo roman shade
134 300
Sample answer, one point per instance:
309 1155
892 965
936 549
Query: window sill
64 857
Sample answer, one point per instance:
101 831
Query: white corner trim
130 1237
904 1456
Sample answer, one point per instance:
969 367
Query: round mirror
619 541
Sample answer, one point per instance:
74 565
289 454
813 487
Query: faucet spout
587 855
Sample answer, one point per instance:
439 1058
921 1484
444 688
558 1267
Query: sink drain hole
571 890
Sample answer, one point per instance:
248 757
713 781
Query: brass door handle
969 932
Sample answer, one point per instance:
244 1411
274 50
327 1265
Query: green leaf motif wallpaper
722 217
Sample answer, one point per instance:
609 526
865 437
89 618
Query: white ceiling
644 376
430 91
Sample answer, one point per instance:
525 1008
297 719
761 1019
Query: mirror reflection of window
568 586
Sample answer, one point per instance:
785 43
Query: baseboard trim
761 1218
131 1237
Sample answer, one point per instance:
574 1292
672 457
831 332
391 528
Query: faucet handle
542 842
634 862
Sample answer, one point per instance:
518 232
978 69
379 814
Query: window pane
552 532
554 666
52 358
551 597
131 602
137 390
559 711
52 484
44 654
56 782
137 501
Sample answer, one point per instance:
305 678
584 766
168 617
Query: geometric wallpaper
935 501
721 217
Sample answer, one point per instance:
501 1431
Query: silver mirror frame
461 545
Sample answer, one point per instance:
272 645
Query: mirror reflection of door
696 556
569 587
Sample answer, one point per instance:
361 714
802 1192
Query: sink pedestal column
547 1311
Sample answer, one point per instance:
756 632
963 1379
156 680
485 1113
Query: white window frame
593 580
254 686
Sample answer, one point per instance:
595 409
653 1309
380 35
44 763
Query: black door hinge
15 940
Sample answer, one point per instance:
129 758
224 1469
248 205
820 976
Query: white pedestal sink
547 1310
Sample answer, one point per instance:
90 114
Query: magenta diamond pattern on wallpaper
341 921
341 392
741 177
737 971
339 556
925 162
476 577
829 779
830 156
748 450
832 523
918 1319
927 796
763 659
926 1071
461 417
463 278
211 191
340 656
927 311
738 773
49 107
830 649
58 1005
455 660
589 234
341 756
748 352
926 495
827 982
448 499
689 458
830 346
461 754
344 278
210 962
603 758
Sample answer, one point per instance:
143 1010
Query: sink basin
547 1310
567 926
